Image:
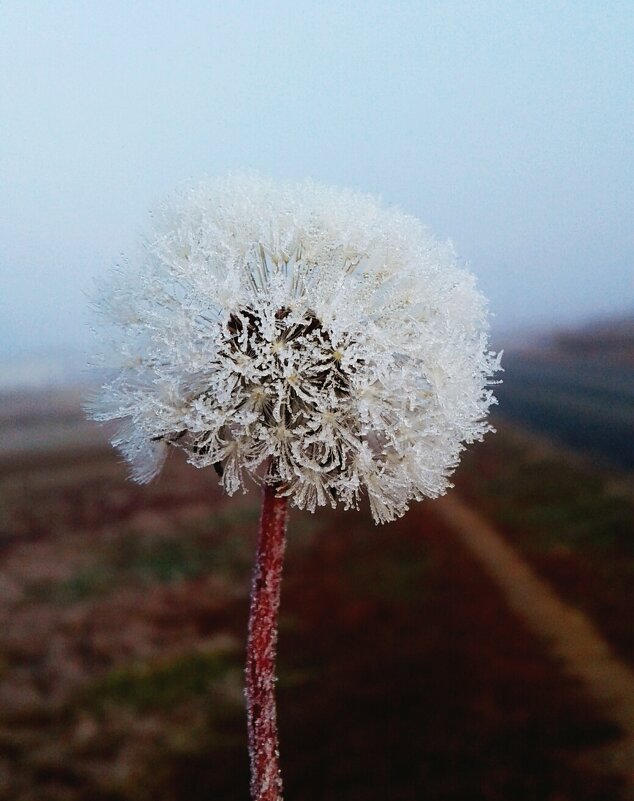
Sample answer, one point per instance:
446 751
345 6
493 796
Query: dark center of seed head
247 317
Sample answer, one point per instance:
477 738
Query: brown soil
564 630
572 520
403 674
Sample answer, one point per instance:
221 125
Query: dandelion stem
266 780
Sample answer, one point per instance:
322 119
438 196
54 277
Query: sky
507 127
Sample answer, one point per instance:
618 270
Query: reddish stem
266 780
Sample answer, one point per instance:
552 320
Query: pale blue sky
506 126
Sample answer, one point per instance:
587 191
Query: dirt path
568 632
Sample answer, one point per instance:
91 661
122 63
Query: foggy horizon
504 128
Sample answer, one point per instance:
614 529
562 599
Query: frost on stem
303 327
266 781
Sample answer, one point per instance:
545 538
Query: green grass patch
161 684
552 501
156 560
164 559
93 581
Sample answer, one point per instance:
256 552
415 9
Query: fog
506 127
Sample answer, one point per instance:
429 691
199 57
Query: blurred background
407 668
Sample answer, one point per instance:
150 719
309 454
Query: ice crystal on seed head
299 335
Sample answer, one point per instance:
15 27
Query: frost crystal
300 335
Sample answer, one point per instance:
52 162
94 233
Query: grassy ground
402 674
574 521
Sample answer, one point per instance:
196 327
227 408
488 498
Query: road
588 406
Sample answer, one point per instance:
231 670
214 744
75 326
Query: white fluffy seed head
299 335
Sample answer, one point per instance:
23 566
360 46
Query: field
404 670
588 404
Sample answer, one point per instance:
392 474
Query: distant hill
577 386
613 341
607 341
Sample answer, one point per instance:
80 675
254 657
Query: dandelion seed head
299 335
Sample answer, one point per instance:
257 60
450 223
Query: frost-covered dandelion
308 339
